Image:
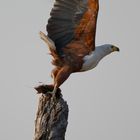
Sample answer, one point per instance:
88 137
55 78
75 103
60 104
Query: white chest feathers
91 60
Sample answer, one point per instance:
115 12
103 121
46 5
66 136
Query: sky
103 103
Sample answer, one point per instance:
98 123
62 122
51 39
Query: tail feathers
57 62
48 41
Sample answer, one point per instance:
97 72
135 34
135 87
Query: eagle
71 35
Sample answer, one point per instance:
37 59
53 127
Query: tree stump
52 115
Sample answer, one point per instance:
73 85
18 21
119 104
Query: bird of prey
71 38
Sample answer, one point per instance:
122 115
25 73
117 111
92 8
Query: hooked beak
114 48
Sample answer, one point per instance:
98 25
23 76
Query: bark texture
52 115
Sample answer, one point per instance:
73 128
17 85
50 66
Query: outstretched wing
73 19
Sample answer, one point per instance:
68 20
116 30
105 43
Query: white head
107 48
91 61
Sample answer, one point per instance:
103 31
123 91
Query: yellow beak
114 48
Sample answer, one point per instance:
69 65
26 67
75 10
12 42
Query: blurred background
103 103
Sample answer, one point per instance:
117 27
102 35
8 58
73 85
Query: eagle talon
53 96
50 92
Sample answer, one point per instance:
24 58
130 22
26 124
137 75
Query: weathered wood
52 115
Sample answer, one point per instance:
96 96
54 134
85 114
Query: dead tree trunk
52 115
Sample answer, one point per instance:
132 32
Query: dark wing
73 19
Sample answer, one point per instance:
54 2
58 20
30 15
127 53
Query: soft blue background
104 103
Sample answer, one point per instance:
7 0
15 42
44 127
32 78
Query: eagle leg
61 76
54 73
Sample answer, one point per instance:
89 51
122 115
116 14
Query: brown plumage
72 29
69 58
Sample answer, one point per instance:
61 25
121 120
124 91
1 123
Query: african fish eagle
71 38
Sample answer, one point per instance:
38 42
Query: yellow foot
52 92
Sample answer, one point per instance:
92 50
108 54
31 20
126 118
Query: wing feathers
70 19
